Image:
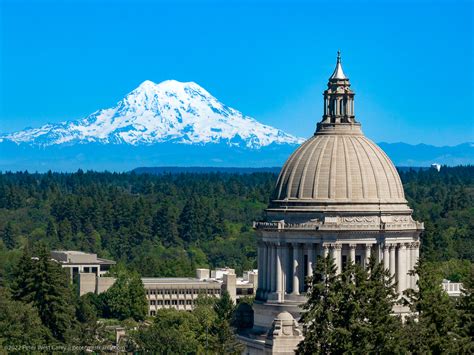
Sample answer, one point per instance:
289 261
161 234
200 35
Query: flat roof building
161 292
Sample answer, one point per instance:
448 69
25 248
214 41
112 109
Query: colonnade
283 267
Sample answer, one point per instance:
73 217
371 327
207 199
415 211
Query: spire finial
338 72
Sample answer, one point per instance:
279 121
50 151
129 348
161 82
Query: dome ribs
317 169
373 148
323 178
396 178
302 191
282 181
348 170
363 179
332 188
369 170
296 169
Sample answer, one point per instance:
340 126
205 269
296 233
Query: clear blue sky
410 62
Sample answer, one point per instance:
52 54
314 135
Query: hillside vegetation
167 225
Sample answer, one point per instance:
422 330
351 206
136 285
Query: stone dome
339 169
284 316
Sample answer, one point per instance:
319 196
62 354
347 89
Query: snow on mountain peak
180 112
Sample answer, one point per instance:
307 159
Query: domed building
337 194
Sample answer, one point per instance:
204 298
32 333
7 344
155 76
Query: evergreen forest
169 224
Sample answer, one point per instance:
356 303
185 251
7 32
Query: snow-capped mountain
170 111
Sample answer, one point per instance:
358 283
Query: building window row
182 291
171 302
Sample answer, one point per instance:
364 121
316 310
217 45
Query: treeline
167 225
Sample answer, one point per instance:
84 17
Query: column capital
352 246
368 246
337 246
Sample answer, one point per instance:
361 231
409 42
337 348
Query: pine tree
380 330
224 307
9 236
321 309
52 234
19 323
44 284
165 224
350 312
466 316
192 221
433 327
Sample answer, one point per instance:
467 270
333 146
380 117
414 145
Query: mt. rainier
169 112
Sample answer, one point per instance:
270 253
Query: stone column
392 260
410 264
325 250
402 259
336 250
296 267
273 268
310 248
260 269
368 251
266 268
386 256
415 261
352 253
279 274
287 268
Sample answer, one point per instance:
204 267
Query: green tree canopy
43 283
433 326
126 298
20 323
350 312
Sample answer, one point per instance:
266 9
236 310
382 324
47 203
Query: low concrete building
162 292
181 293
178 293
81 262
86 269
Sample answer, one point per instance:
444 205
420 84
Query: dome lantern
338 102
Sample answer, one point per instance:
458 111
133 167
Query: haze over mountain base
124 157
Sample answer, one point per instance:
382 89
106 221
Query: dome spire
338 72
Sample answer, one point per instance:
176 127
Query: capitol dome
339 169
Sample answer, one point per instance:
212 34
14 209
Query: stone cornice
346 223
